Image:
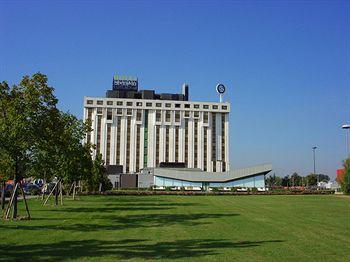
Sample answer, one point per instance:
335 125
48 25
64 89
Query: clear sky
286 65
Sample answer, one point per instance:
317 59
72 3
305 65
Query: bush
254 190
233 189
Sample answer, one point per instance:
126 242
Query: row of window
150 104
129 112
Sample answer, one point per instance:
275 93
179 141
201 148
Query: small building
251 177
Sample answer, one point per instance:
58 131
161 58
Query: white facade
138 133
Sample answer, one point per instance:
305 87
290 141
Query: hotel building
141 129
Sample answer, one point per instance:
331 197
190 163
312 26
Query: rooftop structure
127 87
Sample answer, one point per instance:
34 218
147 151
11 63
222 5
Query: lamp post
314 153
347 131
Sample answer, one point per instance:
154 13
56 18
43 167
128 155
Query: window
99 102
138 103
119 111
224 107
178 105
109 114
196 106
129 103
158 104
89 102
149 104
158 116
215 107
109 103
177 116
205 117
187 114
167 116
196 114
119 103
187 105
167 105
129 112
99 110
139 115
205 106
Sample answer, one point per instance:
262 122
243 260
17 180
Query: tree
295 179
311 180
69 159
5 174
273 181
345 181
323 178
286 181
25 116
98 181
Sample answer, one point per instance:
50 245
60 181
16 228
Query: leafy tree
273 181
25 116
295 179
311 179
286 181
323 178
345 182
98 176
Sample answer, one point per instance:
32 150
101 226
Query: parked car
31 189
8 190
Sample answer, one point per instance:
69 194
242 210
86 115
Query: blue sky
286 65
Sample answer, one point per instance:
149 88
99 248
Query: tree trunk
3 195
56 193
15 180
74 190
61 193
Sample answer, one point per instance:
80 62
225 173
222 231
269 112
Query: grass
200 228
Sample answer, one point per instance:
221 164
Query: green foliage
27 113
36 138
345 184
233 189
254 190
295 180
311 180
98 176
273 181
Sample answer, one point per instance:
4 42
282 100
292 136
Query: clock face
220 88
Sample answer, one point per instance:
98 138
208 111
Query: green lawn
212 228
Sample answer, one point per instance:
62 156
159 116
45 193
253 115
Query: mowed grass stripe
197 228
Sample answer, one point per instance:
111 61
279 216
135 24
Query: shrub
233 189
254 190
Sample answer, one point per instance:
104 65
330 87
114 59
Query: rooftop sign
125 83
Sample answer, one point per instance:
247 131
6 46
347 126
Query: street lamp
347 131
314 153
